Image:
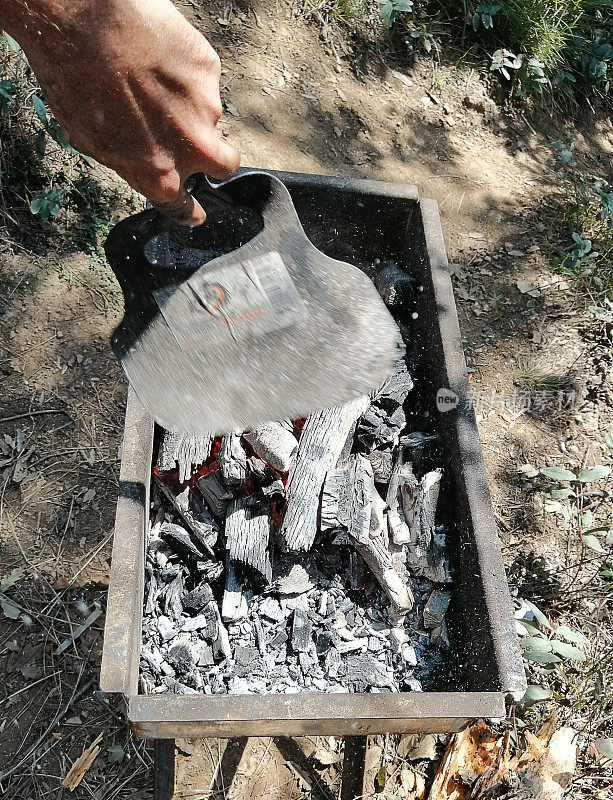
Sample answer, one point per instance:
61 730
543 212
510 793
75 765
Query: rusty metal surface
354 767
492 666
479 527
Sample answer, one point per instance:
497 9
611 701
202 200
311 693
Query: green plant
484 15
48 203
573 502
389 10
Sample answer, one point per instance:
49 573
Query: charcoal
308 665
183 451
210 570
396 287
248 523
198 597
167 669
215 493
176 687
322 439
180 541
381 462
324 641
440 636
232 460
205 655
292 579
153 590
173 606
205 623
183 656
234 605
364 671
347 499
166 628
375 645
193 514
378 427
170 572
278 640
396 389
273 443
260 636
333 663
436 608
352 645
258 468
270 609
274 489
301 631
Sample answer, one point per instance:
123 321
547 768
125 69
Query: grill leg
164 773
353 767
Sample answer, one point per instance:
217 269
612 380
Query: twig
76 696
36 414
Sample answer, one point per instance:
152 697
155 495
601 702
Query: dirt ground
302 100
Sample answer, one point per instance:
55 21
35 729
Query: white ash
348 592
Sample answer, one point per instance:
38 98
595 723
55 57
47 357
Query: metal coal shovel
242 320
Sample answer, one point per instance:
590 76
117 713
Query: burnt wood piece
396 287
215 494
347 501
248 524
321 442
301 631
425 554
385 420
232 459
275 444
403 484
198 597
193 513
179 540
234 604
185 451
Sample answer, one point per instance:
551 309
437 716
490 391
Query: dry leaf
326 757
527 288
81 765
373 758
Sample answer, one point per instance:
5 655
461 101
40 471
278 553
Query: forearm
26 20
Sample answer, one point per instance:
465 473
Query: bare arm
132 84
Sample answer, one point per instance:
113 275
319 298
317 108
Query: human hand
132 84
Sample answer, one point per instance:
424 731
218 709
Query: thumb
183 208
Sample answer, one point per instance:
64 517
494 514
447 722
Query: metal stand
164 769
352 786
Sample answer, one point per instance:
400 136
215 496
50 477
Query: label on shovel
241 300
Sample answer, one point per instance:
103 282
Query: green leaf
568 650
587 519
593 473
11 579
532 628
381 776
542 658
559 494
559 474
11 42
9 608
608 438
403 5
535 694
36 205
39 108
538 615
537 644
570 635
115 754
605 748
589 540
